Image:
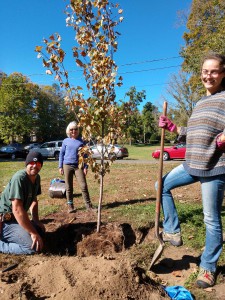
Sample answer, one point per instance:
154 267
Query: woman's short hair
70 125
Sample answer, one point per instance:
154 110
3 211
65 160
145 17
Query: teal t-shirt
20 187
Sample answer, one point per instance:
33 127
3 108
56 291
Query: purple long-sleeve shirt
69 151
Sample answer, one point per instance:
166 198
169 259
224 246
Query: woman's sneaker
175 239
91 208
205 278
71 208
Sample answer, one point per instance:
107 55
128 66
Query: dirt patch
76 278
80 263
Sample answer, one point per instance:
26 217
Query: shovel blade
157 255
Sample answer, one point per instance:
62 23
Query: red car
174 152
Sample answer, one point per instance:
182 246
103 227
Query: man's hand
37 244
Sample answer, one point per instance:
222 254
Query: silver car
49 149
109 151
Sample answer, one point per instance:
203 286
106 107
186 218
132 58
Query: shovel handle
160 172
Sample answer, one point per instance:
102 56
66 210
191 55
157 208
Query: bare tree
183 97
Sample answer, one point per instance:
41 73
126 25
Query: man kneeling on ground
19 234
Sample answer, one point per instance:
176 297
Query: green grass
129 197
141 152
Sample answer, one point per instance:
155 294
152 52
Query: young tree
101 119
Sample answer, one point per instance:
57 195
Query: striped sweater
206 122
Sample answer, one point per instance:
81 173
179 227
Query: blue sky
148 47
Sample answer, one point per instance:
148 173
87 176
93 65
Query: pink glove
220 145
164 122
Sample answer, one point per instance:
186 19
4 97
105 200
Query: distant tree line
29 112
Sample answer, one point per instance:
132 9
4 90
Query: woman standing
68 165
204 163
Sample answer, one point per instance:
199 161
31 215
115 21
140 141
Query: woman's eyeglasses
75 129
212 73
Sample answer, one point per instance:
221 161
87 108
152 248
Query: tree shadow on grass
129 202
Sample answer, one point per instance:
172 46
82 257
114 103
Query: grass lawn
129 194
141 152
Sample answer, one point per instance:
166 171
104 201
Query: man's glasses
37 163
75 129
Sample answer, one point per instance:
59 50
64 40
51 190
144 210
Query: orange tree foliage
101 118
94 24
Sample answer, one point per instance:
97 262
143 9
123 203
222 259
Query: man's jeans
16 240
212 197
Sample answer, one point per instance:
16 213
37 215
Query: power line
150 61
127 64
155 69
122 73
119 73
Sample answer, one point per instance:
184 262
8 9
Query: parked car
109 151
12 152
49 149
16 145
30 146
174 152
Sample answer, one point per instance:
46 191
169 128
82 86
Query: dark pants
69 172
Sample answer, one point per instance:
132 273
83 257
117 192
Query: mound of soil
75 278
79 263
108 241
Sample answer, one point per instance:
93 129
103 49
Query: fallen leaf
177 273
209 289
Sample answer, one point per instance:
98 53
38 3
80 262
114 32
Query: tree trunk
100 203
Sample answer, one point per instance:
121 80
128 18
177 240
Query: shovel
159 250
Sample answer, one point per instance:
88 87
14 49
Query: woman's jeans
16 240
69 172
212 197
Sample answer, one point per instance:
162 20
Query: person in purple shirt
68 166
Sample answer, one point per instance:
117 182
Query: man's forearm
22 218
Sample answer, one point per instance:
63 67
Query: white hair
71 125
